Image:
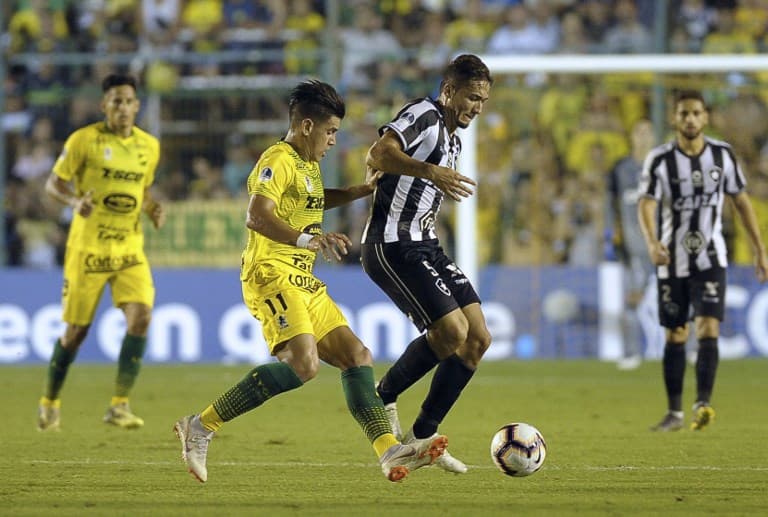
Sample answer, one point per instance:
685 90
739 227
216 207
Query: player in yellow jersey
302 325
104 173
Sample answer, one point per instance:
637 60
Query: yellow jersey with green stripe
296 187
116 170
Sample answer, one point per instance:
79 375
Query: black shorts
420 278
703 290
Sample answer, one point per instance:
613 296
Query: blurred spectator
85 20
520 34
36 157
727 38
160 22
751 17
560 108
585 209
46 90
545 23
600 137
745 119
266 16
696 19
572 37
208 181
365 43
433 52
627 35
16 117
596 15
757 177
122 25
300 52
81 112
14 241
202 21
469 30
238 164
38 26
173 185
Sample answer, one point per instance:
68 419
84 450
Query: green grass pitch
302 454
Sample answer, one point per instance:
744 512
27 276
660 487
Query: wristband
303 240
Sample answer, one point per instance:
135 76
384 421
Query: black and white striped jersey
691 191
405 208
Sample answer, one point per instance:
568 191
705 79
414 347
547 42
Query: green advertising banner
198 233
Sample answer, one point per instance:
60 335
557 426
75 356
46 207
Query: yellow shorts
86 273
289 304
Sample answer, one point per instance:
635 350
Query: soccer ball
518 449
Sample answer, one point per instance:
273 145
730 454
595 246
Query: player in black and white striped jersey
687 180
418 151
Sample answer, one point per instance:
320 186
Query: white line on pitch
614 468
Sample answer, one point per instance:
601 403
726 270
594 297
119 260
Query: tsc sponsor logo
108 263
117 174
120 203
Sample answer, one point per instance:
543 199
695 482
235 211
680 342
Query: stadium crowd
219 70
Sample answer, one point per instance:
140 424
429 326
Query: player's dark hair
315 100
113 80
690 95
464 69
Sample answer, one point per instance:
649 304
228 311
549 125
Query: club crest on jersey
107 153
265 174
716 174
693 242
697 178
308 183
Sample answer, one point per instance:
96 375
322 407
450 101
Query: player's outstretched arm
387 155
61 191
646 213
337 197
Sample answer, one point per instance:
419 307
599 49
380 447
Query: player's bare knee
473 350
138 323
448 336
677 335
306 368
478 343
362 357
74 336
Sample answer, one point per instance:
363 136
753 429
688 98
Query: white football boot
194 445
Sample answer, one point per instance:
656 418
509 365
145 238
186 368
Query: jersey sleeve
412 124
649 185
735 181
72 156
271 177
154 159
